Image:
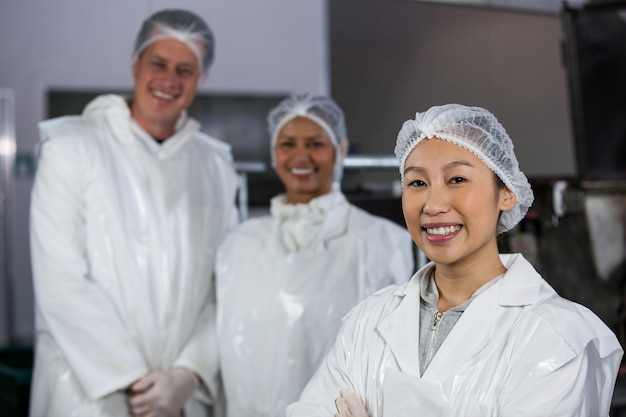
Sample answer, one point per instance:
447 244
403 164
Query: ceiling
536 6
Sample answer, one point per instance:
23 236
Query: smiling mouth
162 95
302 171
442 231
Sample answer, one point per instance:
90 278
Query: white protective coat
279 312
123 237
518 350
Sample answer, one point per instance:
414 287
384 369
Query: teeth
301 171
442 230
163 95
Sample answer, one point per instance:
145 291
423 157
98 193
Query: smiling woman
310 261
304 160
474 333
451 205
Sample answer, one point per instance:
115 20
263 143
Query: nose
170 75
437 201
301 152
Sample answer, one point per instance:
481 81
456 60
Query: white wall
269 46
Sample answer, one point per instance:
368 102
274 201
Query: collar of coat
520 286
512 292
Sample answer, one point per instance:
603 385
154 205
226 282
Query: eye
317 144
457 180
158 64
186 72
416 183
285 144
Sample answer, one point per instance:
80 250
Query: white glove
162 393
349 404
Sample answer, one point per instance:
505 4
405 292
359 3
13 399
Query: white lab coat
123 239
279 311
518 350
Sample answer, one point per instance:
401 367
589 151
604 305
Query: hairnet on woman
308 262
319 109
474 333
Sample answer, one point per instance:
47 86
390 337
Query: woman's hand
349 404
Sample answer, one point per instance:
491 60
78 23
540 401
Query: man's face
166 78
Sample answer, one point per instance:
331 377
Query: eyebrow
453 164
312 137
158 56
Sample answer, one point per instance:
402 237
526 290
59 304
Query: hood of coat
111 104
114 110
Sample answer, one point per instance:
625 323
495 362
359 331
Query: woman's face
304 157
166 78
451 203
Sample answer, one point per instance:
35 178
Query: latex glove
162 393
349 404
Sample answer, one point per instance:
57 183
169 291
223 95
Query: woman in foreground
473 333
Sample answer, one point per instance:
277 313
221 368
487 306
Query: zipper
437 320
434 328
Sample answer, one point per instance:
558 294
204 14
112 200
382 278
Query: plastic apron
123 237
279 312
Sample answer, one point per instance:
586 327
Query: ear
202 78
134 68
343 147
507 199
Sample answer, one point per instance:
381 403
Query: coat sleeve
200 354
71 308
318 397
564 378
580 388
355 362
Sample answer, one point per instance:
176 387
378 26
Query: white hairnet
320 109
478 131
183 26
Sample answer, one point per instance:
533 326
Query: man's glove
162 393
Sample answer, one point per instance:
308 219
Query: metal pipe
7 161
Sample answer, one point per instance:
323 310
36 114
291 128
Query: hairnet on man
129 203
